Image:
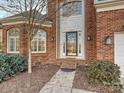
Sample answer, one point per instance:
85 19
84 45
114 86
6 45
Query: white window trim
73 16
8 48
38 52
103 1
37 46
109 6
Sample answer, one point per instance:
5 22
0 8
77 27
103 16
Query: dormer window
71 9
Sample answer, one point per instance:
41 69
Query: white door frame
115 56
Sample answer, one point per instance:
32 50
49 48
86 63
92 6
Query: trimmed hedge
10 65
106 73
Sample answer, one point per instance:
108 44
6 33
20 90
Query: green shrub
11 64
2 58
106 73
18 63
4 67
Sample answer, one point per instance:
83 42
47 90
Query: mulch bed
29 83
81 82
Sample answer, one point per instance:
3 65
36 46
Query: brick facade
90 30
97 27
50 55
36 57
108 23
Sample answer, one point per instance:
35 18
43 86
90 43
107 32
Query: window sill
72 16
13 52
38 52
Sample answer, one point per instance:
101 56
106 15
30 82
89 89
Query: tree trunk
29 58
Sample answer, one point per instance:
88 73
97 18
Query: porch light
108 40
89 38
52 39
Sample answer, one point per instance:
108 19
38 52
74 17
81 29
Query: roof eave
109 6
23 22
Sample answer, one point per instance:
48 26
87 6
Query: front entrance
71 44
70 40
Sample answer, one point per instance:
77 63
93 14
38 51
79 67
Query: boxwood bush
10 65
106 73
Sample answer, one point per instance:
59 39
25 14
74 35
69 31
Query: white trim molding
23 22
103 1
38 52
108 6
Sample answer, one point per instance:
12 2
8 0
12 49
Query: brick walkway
61 82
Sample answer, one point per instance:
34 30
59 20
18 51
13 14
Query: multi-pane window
39 42
71 8
78 8
13 40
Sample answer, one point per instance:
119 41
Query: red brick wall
90 30
108 23
36 57
50 55
52 44
98 26
90 21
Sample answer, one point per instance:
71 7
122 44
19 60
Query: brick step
69 65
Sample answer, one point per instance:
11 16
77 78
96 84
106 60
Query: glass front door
71 44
